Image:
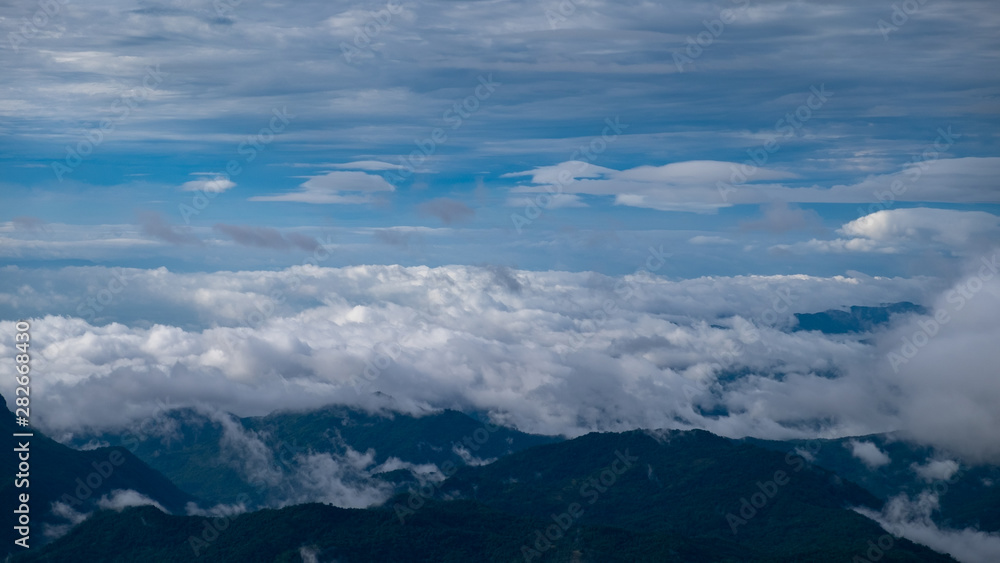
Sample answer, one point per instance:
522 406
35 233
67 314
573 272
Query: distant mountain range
969 496
633 496
855 319
203 454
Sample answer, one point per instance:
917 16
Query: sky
572 215
743 136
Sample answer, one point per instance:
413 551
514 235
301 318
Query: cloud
707 239
342 479
154 225
936 470
369 165
911 519
505 278
943 363
569 170
26 223
703 186
447 210
923 226
217 184
919 229
335 187
309 554
780 217
368 108
534 348
264 237
66 512
192 509
868 453
679 186
121 499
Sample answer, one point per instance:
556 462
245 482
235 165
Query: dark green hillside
663 499
686 483
441 532
55 469
971 497
192 455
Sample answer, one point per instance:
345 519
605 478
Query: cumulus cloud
535 348
923 226
944 363
868 453
335 187
917 229
505 277
264 237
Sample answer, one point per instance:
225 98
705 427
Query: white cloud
217 184
914 230
869 453
293 477
706 185
540 357
911 519
923 225
121 499
335 187
309 554
682 186
944 365
936 469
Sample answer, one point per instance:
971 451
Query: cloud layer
549 352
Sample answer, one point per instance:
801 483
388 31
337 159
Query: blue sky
185 88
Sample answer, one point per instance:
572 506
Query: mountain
773 506
969 495
657 497
80 480
457 531
218 457
856 319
